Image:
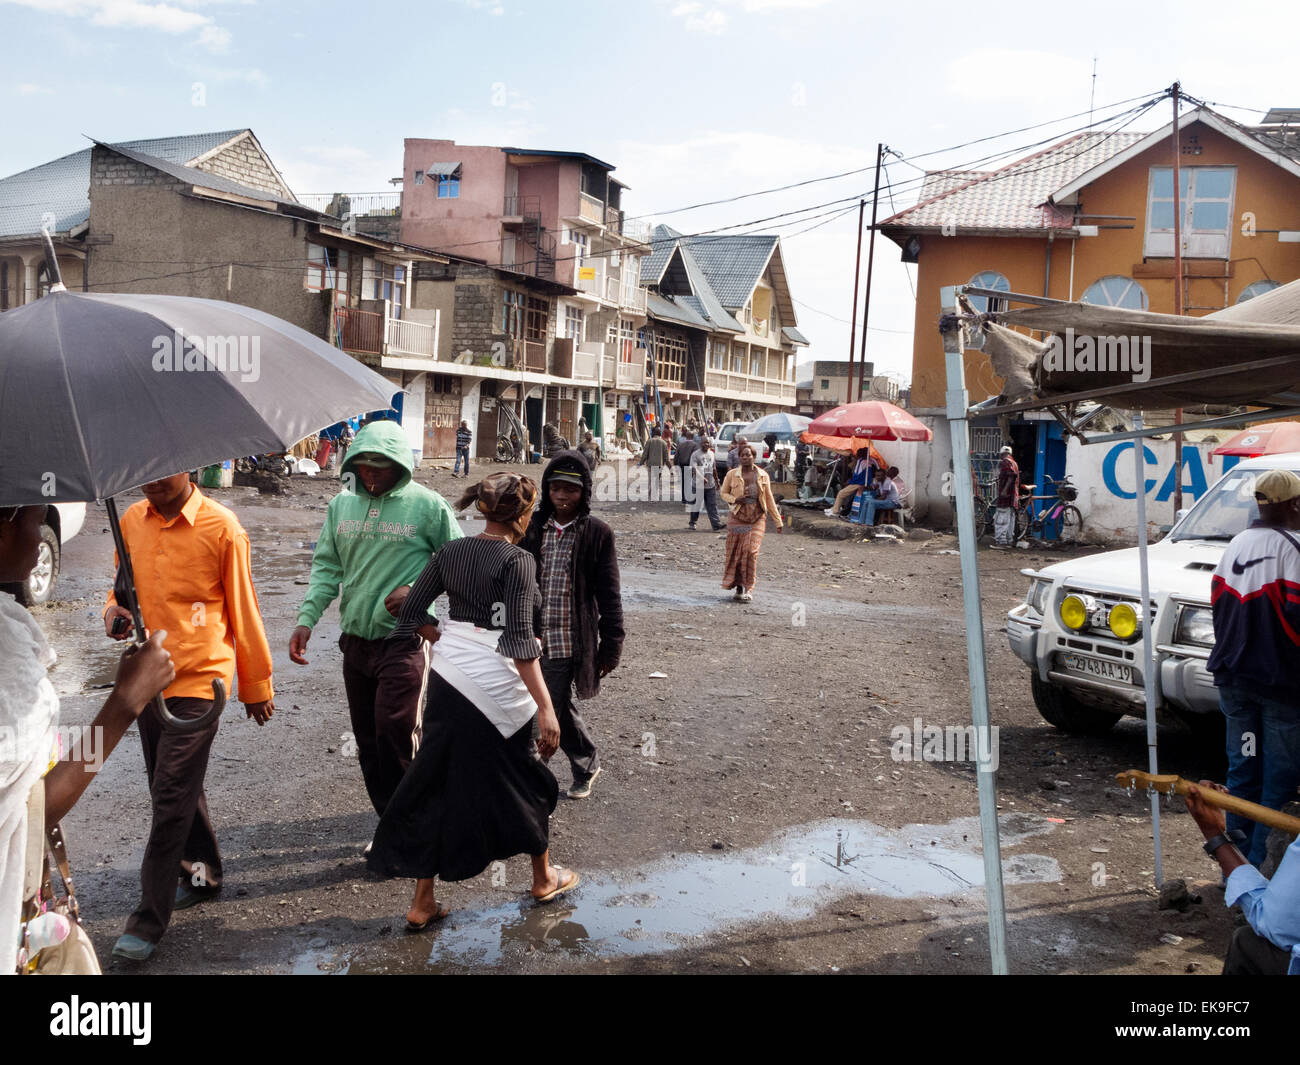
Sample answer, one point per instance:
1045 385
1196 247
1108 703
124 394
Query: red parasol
872 419
1271 438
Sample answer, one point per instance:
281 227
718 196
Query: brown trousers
386 682
181 841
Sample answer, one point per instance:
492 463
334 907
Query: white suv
62 522
1079 628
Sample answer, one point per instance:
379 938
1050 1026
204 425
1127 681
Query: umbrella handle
182 725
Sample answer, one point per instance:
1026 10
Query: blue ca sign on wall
1193 473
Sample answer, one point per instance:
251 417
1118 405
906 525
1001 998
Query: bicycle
1057 518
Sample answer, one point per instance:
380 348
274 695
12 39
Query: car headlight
1037 597
1076 610
1195 626
1123 621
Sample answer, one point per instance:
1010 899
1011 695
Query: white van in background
62 522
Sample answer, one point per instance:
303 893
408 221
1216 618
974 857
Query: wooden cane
1168 784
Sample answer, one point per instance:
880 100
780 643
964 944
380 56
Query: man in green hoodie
378 535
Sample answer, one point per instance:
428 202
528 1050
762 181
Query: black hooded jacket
597 599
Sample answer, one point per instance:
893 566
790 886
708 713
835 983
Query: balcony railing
606 365
361 330
522 207
748 384
590 208
529 355
365 332
412 338
342 204
608 286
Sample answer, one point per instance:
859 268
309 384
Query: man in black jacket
582 606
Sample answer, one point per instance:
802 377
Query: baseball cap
568 471
372 458
1006 449
1277 486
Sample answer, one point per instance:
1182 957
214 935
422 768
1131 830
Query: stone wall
242 162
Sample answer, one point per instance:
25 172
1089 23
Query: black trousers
1249 955
386 682
708 502
575 740
181 843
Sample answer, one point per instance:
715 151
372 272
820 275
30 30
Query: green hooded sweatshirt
370 545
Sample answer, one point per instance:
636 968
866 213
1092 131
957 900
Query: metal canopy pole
977 667
1148 658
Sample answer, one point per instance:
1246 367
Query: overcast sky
691 100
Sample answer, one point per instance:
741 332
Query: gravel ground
751 814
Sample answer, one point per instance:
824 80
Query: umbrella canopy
844 444
100 393
1272 438
774 423
874 419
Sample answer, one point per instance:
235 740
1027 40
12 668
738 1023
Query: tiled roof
1014 196
663 239
62 186
792 334
732 264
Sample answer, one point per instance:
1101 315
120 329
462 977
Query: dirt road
752 814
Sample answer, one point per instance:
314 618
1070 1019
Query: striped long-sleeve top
489 583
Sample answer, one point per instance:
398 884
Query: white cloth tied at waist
466 657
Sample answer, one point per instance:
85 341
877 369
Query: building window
1256 288
390 284
670 359
989 279
573 322
1205 202
756 362
419 177
512 304
327 268
825 384
448 186
581 246
718 354
1116 291
537 314
737 358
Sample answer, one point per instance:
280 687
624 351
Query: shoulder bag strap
60 853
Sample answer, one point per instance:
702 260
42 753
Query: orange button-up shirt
193 579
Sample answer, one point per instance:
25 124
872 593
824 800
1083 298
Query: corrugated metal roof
1012 197
442 169
62 186
681 309
793 335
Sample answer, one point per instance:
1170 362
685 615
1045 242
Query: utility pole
1178 298
871 256
853 318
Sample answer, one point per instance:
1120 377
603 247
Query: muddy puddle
682 901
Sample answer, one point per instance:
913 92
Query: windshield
1225 511
727 432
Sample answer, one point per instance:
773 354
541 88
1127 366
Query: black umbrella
101 393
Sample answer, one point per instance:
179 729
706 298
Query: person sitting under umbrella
863 475
884 496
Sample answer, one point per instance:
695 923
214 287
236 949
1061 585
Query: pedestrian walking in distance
191 560
463 437
704 472
479 790
654 457
582 605
686 447
1008 499
747 490
378 534
1255 598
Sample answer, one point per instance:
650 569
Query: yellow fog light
1123 620
1074 612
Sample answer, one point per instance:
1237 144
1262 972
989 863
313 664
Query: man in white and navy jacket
1255 596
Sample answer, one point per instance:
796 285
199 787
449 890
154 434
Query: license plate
1098 667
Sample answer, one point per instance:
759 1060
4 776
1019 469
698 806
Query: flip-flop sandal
414 929
562 886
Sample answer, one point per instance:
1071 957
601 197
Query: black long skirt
470 797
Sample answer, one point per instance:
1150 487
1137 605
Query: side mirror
1180 515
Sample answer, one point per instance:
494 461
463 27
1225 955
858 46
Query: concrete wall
469 225
1262 188
160 237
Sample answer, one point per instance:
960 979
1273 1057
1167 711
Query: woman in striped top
478 790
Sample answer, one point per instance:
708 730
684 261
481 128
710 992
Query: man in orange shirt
190 557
